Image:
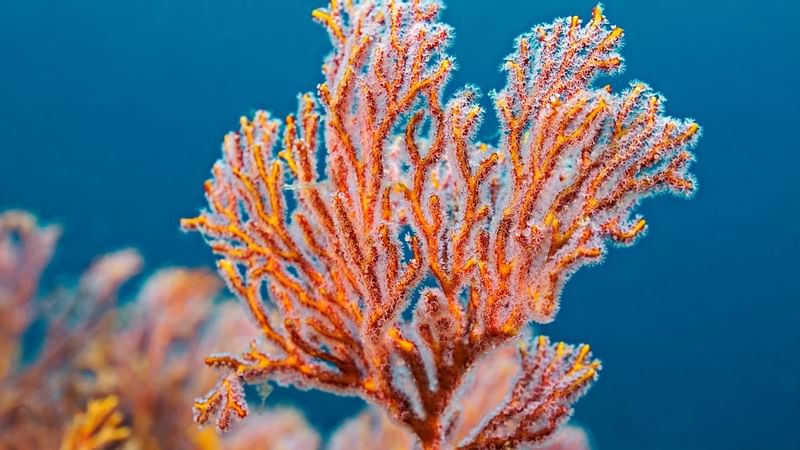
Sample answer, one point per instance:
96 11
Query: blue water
111 114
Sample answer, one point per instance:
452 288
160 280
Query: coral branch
412 217
581 157
552 378
25 250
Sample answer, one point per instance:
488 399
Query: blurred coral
389 269
98 428
568 438
25 249
275 429
36 394
129 366
150 356
370 428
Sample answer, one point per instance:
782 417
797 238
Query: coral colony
394 257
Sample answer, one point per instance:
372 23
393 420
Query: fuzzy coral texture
383 251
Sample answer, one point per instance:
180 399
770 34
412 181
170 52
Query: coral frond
225 403
552 378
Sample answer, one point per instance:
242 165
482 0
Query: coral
156 343
148 363
368 429
486 388
391 266
132 365
98 428
569 438
36 396
543 381
25 249
276 429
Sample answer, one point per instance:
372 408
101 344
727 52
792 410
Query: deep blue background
111 114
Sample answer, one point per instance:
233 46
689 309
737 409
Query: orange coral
413 216
98 428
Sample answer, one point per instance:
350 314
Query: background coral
109 375
39 392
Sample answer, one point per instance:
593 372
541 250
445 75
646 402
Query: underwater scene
399 225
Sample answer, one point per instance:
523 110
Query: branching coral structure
389 261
